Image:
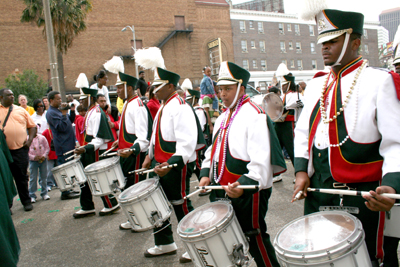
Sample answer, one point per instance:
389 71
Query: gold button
319 144
319 154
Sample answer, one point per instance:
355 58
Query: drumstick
139 170
70 157
106 152
298 195
350 192
72 151
111 154
165 167
222 187
193 193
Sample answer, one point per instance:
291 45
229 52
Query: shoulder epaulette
259 109
98 110
181 101
140 102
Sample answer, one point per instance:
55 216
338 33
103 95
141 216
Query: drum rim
101 169
337 251
142 194
215 229
66 164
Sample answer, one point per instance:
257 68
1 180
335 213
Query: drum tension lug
114 186
155 218
239 259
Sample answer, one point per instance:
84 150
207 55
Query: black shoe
28 207
69 196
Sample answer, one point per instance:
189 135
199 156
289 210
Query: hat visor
284 82
225 82
329 37
396 61
119 83
82 97
156 83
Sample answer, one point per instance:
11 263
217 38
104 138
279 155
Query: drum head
317 232
138 189
205 218
273 105
102 164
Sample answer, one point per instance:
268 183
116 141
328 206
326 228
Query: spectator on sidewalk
23 102
38 152
153 104
141 86
79 124
39 117
15 124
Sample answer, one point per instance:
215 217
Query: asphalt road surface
50 236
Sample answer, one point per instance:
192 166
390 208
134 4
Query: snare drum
213 237
322 239
105 176
69 174
145 205
392 227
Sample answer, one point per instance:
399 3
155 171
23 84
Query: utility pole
55 82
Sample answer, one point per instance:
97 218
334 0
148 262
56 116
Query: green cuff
392 179
205 172
136 149
89 148
244 180
300 165
178 160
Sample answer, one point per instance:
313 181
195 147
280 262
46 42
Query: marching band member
345 133
134 134
97 133
175 138
245 151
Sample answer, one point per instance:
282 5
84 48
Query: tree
27 83
68 17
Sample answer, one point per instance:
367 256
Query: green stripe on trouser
284 131
260 244
86 198
314 200
171 186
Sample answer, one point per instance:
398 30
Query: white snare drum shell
145 205
69 173
210 234
392 222
105 176
322 239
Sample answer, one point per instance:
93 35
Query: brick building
262 40
182 28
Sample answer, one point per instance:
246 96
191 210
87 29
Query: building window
246 64
289 27
263 64
281 29
290 45
283 48
253 44
300 64
314 64
366 49
242 26
298 47
262 46
292 63
297 29
254 64
312 45
365 34
244 46
311 30
260 27
284 61
251 24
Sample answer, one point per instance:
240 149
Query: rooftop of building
390 10
212 2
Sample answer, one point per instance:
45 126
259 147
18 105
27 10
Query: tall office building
390 19
262 5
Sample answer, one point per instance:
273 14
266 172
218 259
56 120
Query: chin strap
344 48
158 88
126 91
236 96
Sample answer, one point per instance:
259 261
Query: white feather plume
82 81
310 8
396 40
114 65
282 70
149 58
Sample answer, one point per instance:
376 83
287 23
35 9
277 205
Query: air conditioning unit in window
300 68
298 50
281 32
244 49
283 50
260 30
262 50
264 68
297 33
242 30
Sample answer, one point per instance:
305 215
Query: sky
370 8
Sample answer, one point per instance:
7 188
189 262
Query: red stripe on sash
108 201
137 167
183 190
